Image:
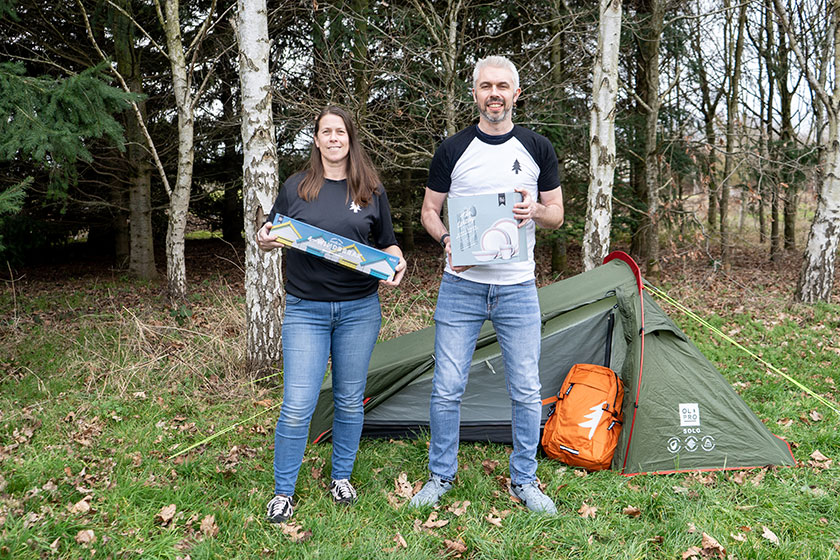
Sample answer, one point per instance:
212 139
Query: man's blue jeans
314 331
462 308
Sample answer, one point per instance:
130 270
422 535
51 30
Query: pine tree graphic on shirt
516 166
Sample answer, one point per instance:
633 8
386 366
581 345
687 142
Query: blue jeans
462 308
314 331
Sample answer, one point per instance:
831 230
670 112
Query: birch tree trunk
596 233
263 277
817 275
179 198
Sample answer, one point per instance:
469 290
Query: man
492 157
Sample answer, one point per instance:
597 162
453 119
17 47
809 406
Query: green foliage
50 121
11 201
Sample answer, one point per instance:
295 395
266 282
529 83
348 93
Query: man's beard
493 118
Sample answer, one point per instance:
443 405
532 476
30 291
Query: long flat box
332 247
484 231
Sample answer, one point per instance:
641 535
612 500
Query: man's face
494 93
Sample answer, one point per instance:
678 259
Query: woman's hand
265 240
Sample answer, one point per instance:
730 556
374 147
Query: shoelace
343 489
279 506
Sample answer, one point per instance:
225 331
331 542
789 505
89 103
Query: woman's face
332 139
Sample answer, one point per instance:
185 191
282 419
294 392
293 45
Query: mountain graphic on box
335 248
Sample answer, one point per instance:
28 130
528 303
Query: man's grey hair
496 62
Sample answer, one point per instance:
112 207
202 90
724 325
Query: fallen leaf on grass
711 547
815 416
632 511
208 526
295 532
489 465
819 461
756 480
587 511
738 477
265 403
81 507
398 538
402 486
785 422
740 537
165 515
769 535
459 508
86 536
455 547
434 523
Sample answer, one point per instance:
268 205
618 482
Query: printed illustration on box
333 247
484 230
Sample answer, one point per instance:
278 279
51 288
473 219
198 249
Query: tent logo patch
689 414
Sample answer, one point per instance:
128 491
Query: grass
101 386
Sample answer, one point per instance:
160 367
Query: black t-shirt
310 277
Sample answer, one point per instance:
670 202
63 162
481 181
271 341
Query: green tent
679 412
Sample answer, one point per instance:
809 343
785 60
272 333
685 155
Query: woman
331 311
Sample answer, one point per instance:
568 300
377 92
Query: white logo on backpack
594 418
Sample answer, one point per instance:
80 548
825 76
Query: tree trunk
817 276
263 277
141 240
731 140
179 199
649 49
596 235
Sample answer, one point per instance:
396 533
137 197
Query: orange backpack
582 429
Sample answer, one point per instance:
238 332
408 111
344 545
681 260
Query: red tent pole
628 260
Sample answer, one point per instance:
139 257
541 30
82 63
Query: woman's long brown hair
362 178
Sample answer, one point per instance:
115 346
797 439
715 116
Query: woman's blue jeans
313 332
462 308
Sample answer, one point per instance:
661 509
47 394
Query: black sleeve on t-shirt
445 158
543 153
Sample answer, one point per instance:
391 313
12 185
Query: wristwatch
443 240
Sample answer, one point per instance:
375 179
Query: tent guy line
668 299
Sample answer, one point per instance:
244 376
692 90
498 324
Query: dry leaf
815 416
691 528
295 532
208 526
316 472
458 508
632 511
738 477
265 403
756 480
587 511
693 552
165 515
455 547
497 521
81 507
785 422
740 537
86 536
398 538
712 548
489 466
769 535
403 488
434 523
819 461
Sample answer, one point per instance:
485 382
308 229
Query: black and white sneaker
342 491
280 508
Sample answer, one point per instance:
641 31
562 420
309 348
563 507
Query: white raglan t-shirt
472 162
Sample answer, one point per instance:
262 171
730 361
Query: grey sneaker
431 492
533 498
280 508
342 491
